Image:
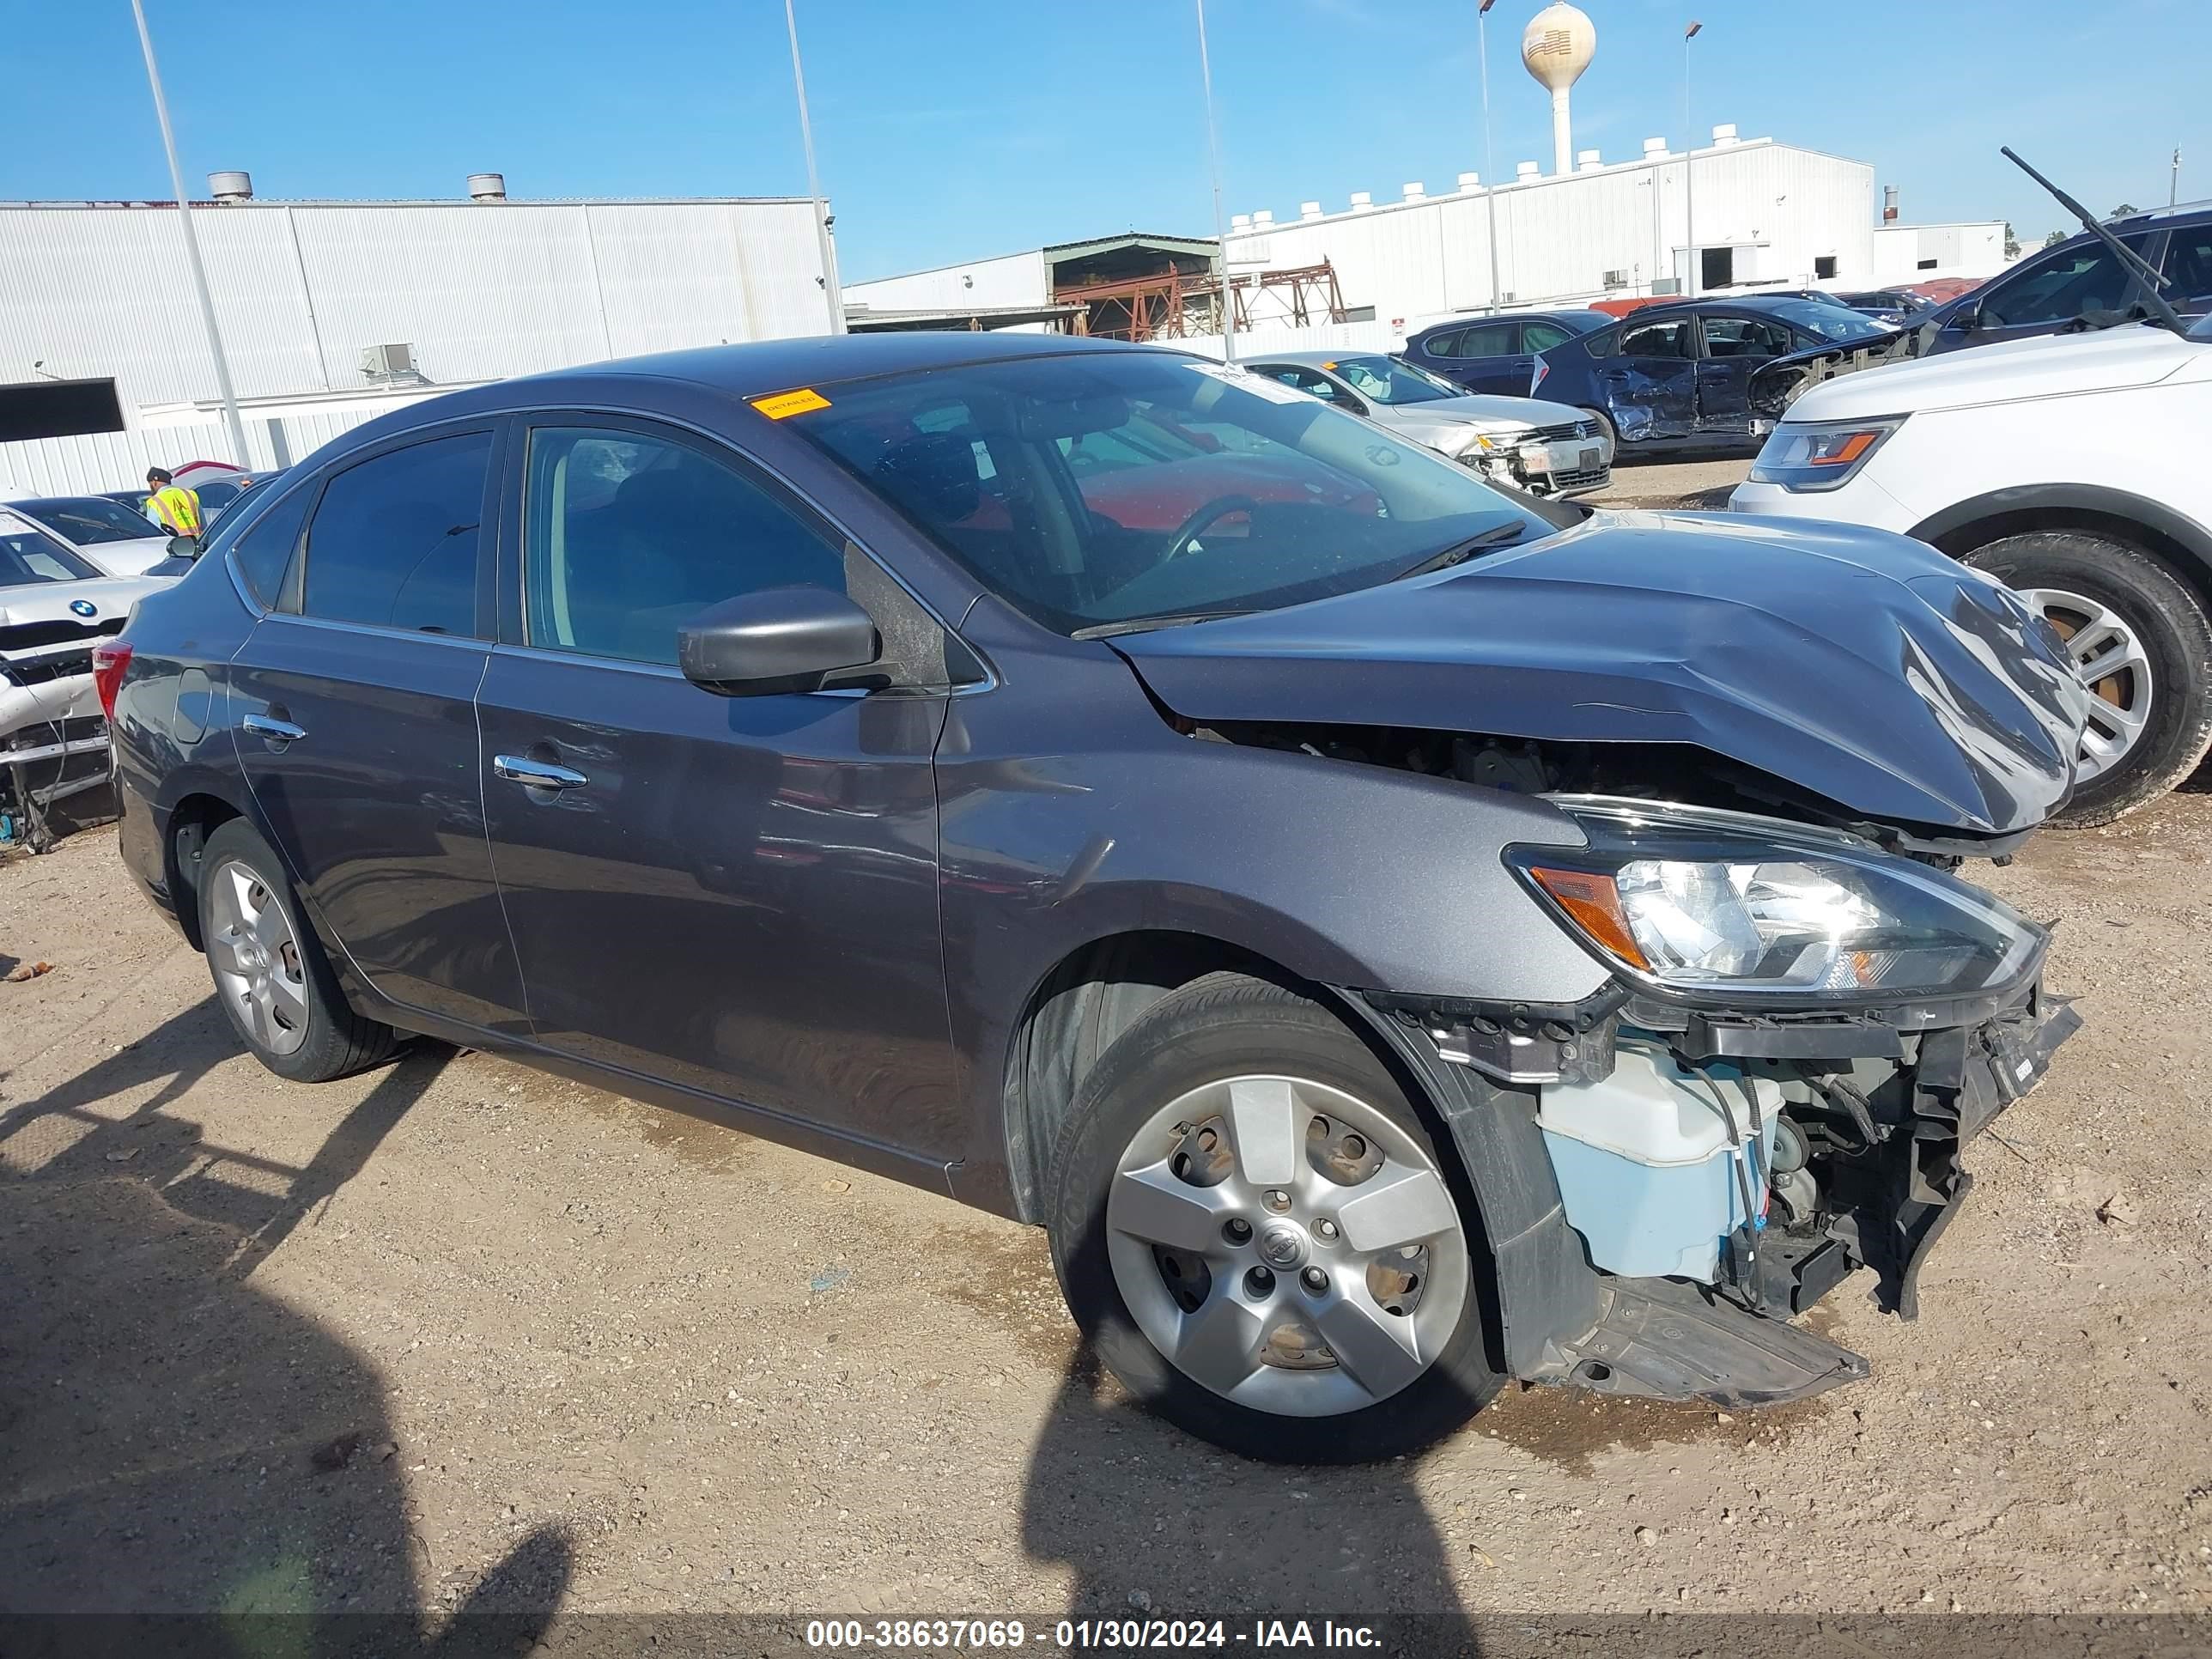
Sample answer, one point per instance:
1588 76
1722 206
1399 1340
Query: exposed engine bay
1726 1157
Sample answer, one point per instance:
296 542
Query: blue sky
949 129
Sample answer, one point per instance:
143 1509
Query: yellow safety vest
178 508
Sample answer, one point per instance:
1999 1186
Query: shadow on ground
174 1441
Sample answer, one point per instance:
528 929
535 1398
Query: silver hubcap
255 959
2111 662
1287 1245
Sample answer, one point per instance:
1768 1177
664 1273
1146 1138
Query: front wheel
2141 640
1250 1223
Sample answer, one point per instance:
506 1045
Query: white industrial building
332 311
1733 214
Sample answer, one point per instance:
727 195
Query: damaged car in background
54 608
1395 934
1545 448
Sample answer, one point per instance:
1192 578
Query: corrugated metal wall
117 460
480 291
1558 238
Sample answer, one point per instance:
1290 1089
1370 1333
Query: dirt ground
563 1354
1704 485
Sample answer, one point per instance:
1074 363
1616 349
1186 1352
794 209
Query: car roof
748 371
1317 359
29 501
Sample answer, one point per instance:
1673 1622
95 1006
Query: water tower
1556 48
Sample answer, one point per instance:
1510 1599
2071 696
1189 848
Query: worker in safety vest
174 507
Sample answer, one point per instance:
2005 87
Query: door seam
491 851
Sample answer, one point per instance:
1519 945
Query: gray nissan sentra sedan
1395 936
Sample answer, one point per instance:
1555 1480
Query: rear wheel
270 977
2141 640
1251 1224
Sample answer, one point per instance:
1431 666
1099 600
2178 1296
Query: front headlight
1697 902
1823 456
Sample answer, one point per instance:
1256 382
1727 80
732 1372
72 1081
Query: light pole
2173 182
1220 232
830 288
193 247
1489 153
1689 169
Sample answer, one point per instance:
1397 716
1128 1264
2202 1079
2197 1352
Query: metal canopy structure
1177 304
868 319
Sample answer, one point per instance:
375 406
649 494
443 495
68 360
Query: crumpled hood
1482 410
1857 664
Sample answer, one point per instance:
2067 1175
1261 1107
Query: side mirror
184 546
779 640
1966 318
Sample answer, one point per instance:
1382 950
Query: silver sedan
1547 449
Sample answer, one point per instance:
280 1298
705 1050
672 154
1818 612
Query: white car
1546 448
54 608
114 539
2071 467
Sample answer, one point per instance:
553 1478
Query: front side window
2188 263
395 537
1228 491
2087 278
89 521
1389 381
28 558
627 536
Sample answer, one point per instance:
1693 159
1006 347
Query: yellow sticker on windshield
784 404
1328 365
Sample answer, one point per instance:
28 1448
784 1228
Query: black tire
1221 1026
338 1042
2166 616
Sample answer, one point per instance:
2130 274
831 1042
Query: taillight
109 659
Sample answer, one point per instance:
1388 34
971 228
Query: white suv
2076 468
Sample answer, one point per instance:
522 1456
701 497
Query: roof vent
1470 181
383 364
1240 222
1361 200
1655 148
1724 135
487 187
1526 170
231 186
1417 191
1587 161
1310 209
1263 218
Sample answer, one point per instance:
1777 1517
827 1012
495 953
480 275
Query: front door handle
269 729
538 774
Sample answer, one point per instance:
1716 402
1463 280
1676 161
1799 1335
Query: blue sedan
1675 378
1497 355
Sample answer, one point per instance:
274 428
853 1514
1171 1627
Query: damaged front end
1800 1034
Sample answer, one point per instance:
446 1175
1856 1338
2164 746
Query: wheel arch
192 817
1539 1290
2152 527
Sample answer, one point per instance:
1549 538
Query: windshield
1108 489
1829 322
29 557
1386 380
89 521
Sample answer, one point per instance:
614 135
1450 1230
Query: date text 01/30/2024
1084 1635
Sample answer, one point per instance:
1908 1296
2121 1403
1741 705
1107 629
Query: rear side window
1670 339
264 552
394 539
1542 337
627 536
1488 340
1745 337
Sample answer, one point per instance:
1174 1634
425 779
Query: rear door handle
538 774
272 730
